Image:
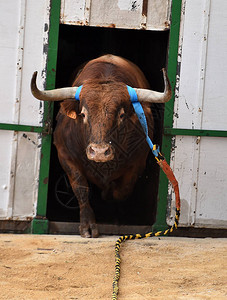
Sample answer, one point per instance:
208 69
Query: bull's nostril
91 151
107 152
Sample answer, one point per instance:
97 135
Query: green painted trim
48 109
40 226
195 132
168 115
172 59
43 176
24 128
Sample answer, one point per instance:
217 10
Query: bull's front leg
88 226
79 184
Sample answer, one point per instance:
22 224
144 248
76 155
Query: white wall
21 53
200 164
117 13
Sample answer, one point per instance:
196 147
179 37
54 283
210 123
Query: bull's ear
69 108
72 114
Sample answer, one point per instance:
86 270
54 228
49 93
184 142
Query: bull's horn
51 95
145 95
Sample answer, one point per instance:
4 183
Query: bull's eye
121 116
84 114
121 113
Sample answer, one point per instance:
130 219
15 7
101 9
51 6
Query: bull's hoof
88 231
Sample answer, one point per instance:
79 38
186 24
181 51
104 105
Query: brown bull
99 138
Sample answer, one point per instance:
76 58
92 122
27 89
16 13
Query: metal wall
199 153
129 14
22 50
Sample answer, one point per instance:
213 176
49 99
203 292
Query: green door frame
168 114
40 223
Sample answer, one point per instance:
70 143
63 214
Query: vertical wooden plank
189 103
198 111
211 208
35 59
139 14
188 106
11 33
26 181
158 17
5 174
215 104
11 50
73 12
31 110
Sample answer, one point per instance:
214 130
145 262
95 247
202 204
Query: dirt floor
69 267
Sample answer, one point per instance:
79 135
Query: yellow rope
124 238
169 173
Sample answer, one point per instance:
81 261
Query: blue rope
142 118
77 95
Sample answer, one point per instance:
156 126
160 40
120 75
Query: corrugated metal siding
200 163
21 52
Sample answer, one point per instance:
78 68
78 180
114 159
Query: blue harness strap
142 118
77 95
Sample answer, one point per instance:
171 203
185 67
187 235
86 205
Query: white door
200 162
24 31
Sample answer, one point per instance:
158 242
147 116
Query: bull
99 139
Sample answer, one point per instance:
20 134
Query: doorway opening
148 50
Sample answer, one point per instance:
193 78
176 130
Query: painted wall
130 14
200 163
23 37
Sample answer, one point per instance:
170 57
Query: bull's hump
112 59
115 60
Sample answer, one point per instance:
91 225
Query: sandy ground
69 267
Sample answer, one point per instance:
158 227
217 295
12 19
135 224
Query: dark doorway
147 49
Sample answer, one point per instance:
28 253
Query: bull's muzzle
100 152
